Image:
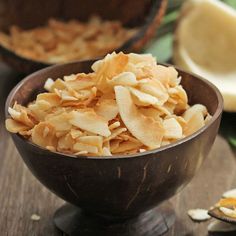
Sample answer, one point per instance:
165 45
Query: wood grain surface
21 195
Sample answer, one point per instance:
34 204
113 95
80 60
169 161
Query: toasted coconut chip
66 95
75 133
27 115
106 144
142 150
124 79
15 127
143 99
141 65
114 125
195 109
51 98
208 118
108 96
60 122
172 101
65 143
114 144
180 120
127 136
81 153
26 132
168 108
80 83
227 202
136 122
112 65
43 134
168 76
165 142
151 112
228 212
70 77
127 146
106 152
87 119
58 84
220 226
97 65
21 117
48 84
107 108
230 194
61 133
156 89
74 104
115 133
85 147
51 148
173 129
96 141
85 93
194 123
179 94
135 58
199 214
40 109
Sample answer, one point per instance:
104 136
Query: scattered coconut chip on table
230 194
218 226
228 212
35 217
199 214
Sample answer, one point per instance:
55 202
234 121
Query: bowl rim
215 116
141 30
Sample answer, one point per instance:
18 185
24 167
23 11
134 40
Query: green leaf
232 3
232 141
162 48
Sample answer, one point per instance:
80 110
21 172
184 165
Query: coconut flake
35 217
230 194
199 214
228 212
217 226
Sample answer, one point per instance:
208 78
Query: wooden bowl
119 187
147 16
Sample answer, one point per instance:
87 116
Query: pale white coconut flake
230 194
217 226
228 212
48 84
35 217
199 214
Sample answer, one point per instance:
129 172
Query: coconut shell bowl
120 195
146 17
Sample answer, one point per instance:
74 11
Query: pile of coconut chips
128 104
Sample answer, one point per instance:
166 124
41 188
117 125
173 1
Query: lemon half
205 43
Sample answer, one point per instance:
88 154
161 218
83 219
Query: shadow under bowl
119 187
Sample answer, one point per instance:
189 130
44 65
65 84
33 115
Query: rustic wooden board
22 195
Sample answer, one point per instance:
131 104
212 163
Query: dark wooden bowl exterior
145 14
120 186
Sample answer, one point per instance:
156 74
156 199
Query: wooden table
21 195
